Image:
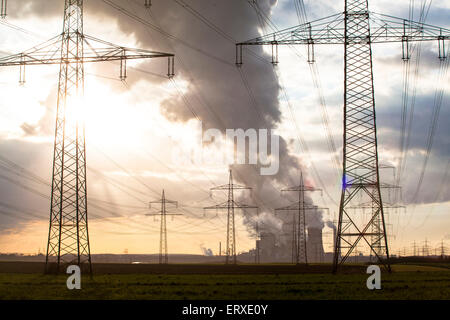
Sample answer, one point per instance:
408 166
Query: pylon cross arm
233 204
328 30
167 214
95 50
244 206
166 201
299 205
385 28
301 188
331 30
369 205
218 206
227 186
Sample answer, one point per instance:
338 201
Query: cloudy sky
134 128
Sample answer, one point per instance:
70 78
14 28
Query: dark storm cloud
389 118
433 188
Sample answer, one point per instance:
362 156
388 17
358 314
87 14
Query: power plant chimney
315 245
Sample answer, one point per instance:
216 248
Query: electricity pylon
425 249
163 251
442 249
68 238
357 29
230 205
299 254
377 225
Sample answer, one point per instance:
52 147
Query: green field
407 282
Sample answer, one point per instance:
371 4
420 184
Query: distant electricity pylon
3 9
163 251
377 225
257 239
230 205
415 248
68 238
148 3
442 249
357 29
425 249
299 254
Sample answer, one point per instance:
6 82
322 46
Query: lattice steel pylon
377 224
163 250
442 249
68 237
257 239
230 205
357 29
361 173
299 254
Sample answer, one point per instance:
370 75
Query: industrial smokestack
314 244
267 246
331 225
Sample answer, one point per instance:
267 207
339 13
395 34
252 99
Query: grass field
406 282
